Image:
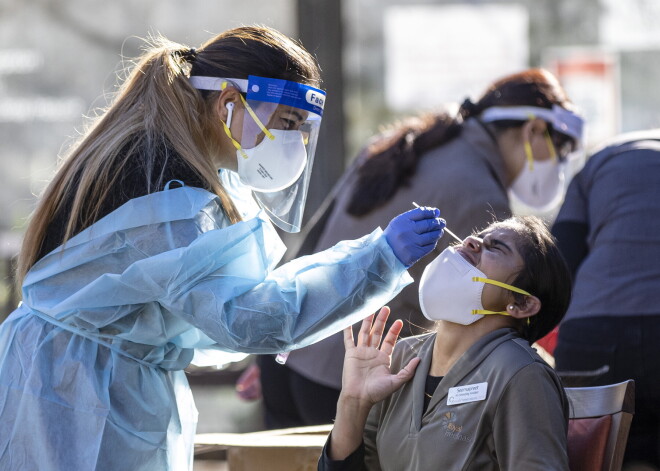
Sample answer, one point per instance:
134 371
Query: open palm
367 376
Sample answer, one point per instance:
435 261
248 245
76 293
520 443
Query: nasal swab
460 241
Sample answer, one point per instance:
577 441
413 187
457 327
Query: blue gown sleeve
244 307
168 272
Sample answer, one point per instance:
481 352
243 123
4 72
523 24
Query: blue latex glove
414 233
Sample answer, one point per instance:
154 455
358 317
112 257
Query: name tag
467 393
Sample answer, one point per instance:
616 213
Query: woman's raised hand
366 380
367 376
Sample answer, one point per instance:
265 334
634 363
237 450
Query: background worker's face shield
275 138
566 128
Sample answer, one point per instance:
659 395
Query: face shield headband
276 141
561 119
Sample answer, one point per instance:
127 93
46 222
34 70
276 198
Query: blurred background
381 60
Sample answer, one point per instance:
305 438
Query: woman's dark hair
545 275
254 50
392 160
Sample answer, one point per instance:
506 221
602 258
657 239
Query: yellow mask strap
529 154
501 285
485 312
528 147
256 119
548 141
268 134
253 114
551 146
234 141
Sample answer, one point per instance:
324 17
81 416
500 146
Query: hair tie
468 109
189 55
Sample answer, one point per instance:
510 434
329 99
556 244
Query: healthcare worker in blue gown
139 260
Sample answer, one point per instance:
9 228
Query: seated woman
480 397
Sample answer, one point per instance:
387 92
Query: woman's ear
228 98
533 127
530 306
526 131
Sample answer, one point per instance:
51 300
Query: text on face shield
315 98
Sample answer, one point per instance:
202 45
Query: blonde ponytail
155 107
155 104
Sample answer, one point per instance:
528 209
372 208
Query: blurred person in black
609 232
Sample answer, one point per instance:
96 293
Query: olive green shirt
520 424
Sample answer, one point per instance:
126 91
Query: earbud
230 111
510 307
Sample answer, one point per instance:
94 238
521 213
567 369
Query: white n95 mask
450 290
539 184
273 164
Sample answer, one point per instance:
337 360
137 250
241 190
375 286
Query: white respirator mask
450 290
273 164
539 184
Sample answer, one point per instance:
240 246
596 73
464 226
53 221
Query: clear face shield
566 127
275 138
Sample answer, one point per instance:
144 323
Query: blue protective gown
91 361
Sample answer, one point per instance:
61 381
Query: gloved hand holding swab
458 239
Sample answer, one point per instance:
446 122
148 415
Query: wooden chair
599 422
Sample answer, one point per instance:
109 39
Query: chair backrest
599 422
580 379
